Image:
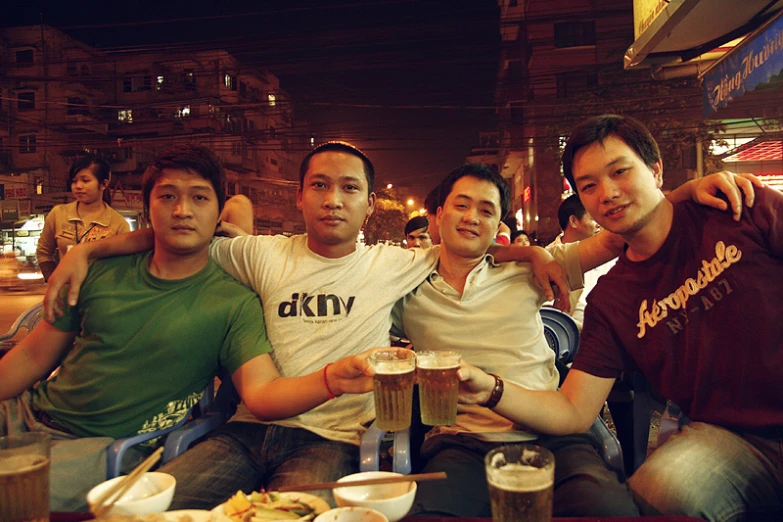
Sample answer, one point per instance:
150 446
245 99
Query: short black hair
339 146
416 223
570 206
480 171
194 158
597 129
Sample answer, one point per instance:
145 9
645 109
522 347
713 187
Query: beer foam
391 368
20 463
519 477
433 363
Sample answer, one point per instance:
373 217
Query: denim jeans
584 486
247 456
713 473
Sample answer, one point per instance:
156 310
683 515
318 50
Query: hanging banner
754 61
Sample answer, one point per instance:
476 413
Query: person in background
520 237
416 234
578 225
694 304
89 218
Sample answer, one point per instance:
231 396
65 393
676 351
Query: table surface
77 517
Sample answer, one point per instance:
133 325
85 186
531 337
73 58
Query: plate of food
272 507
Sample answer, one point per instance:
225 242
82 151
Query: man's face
469 217
522 240
335 202
585 227
183 212
615 186
419 238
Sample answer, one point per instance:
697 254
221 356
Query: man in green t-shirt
148 333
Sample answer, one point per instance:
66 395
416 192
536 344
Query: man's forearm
137 241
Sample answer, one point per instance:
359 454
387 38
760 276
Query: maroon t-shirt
702 318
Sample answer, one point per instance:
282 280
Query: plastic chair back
27 320
561 332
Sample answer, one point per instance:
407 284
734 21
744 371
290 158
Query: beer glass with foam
24 477
521 479
438 386
393 387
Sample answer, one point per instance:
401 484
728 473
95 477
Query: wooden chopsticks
420 477
110 497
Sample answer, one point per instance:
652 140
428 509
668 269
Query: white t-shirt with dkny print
318 310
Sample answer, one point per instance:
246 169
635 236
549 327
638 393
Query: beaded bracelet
497 393
326 383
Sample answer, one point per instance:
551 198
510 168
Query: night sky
410 82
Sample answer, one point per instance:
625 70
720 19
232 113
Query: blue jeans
584 486
248 456
713 473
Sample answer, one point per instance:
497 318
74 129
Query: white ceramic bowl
152 493
351 514
393 500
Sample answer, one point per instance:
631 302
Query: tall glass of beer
393 387
24 477
438 386
521 479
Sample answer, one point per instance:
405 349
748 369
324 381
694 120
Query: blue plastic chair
119 448
27 320
223 407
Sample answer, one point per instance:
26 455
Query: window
574 34
39 186
182 111
127 84
77 105
230 81
242 88
26 101
27 144
159 83
85 69
125 115
24 57
272 132
147 83
236 149
572 83
71 69
189 80
272 99
517 113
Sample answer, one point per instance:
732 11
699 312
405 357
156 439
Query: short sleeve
246 337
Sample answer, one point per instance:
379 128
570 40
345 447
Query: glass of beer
438 386
521 479
24 477
393 387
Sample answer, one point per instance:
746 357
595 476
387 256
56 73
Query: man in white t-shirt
577 225
324 296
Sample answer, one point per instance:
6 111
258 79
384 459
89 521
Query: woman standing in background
89 218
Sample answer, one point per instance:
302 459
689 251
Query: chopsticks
420 477
108 499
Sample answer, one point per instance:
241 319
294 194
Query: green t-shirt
147 347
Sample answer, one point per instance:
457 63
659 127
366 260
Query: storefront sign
645 12
756 60
10 210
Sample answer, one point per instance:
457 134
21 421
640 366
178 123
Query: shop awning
670 32
755 61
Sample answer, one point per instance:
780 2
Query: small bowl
152 493
393 500
351 514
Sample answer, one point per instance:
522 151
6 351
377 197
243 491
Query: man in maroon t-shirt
695 304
